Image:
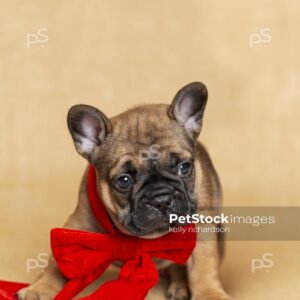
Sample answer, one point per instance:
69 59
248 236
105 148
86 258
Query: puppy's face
145 159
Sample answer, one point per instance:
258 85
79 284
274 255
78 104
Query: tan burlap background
115 54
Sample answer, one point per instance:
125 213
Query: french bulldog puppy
149 164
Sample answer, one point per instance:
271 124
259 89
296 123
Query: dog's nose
160 197
162 202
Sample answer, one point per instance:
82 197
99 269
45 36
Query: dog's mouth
138 230
150 220
139 225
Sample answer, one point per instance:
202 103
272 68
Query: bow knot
125 248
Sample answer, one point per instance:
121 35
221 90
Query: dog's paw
212 294
38 291
178 291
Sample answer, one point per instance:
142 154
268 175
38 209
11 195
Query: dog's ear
88 127
188 107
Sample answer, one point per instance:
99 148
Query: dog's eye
185 168
124 182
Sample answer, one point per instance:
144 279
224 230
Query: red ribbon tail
75 285
136 278
9 289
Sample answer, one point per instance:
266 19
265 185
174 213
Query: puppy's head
144 158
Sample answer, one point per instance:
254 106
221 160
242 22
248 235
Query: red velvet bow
83 256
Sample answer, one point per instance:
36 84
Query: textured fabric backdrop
116 54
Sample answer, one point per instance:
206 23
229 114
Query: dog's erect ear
88 127
188 107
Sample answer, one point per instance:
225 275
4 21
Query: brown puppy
149 165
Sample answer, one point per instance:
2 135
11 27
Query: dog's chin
142 226
145 225
140 230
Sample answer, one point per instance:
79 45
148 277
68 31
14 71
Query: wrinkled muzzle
151 208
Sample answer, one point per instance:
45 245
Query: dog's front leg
203 269
46 286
